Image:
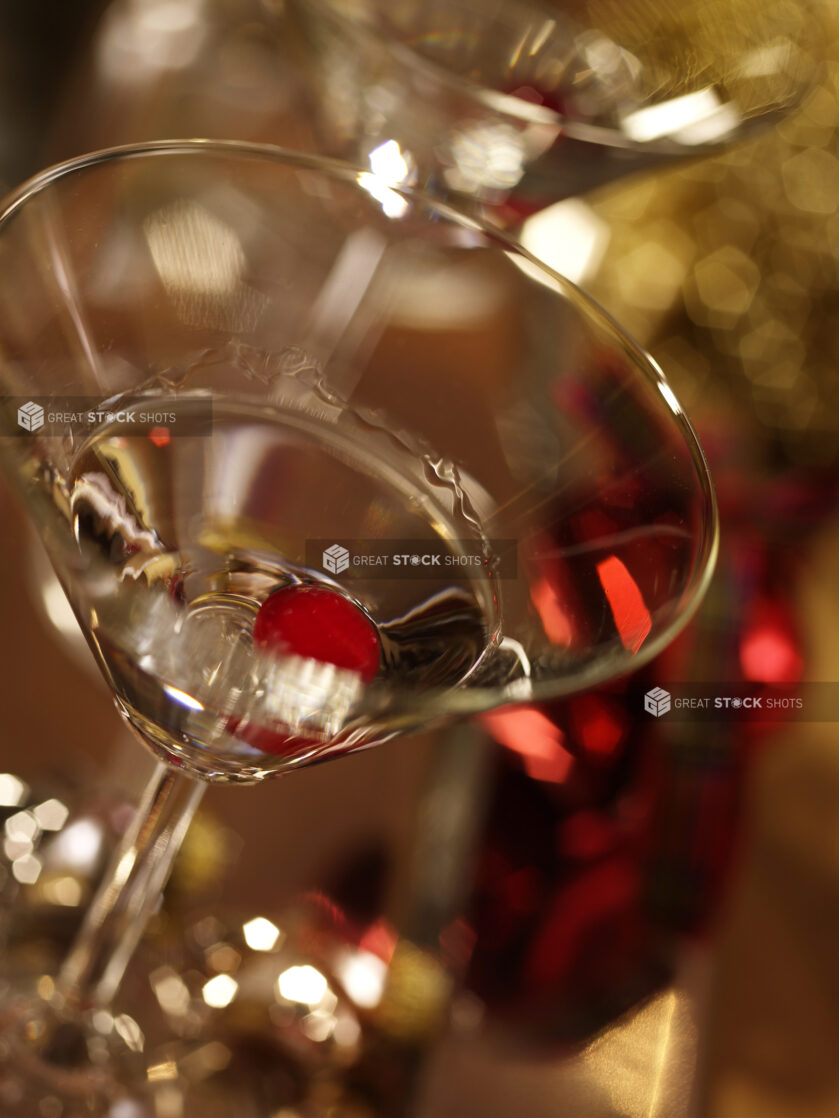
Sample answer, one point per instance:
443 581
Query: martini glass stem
130 891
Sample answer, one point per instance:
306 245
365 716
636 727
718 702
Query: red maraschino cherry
318 624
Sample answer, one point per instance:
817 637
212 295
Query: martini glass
317 462
509 107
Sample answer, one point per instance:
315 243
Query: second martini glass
317 462
509 107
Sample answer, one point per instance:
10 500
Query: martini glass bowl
509 107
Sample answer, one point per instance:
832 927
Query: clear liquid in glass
184 537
